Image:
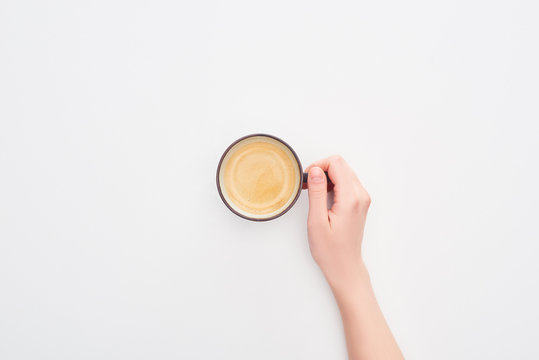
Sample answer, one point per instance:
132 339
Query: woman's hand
335 238
335 235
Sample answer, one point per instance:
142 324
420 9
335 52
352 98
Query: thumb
318 194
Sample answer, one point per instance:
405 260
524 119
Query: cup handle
306 177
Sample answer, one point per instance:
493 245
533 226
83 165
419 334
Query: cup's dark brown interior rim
300 176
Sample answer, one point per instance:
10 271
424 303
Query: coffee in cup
259 177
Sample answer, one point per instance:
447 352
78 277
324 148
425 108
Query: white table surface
114 243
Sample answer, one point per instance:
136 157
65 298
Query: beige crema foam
259 177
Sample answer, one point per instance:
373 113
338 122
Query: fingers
349 193
318 210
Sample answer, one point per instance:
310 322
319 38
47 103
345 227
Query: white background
114 243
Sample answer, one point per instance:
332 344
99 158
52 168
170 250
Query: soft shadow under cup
259 177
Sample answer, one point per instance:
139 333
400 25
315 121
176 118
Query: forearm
366 331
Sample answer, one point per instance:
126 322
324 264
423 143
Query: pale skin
335 238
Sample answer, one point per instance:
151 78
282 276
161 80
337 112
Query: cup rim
296 197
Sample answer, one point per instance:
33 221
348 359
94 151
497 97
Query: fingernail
316 175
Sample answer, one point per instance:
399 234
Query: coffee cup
260 177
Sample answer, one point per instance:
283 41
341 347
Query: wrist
348 279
